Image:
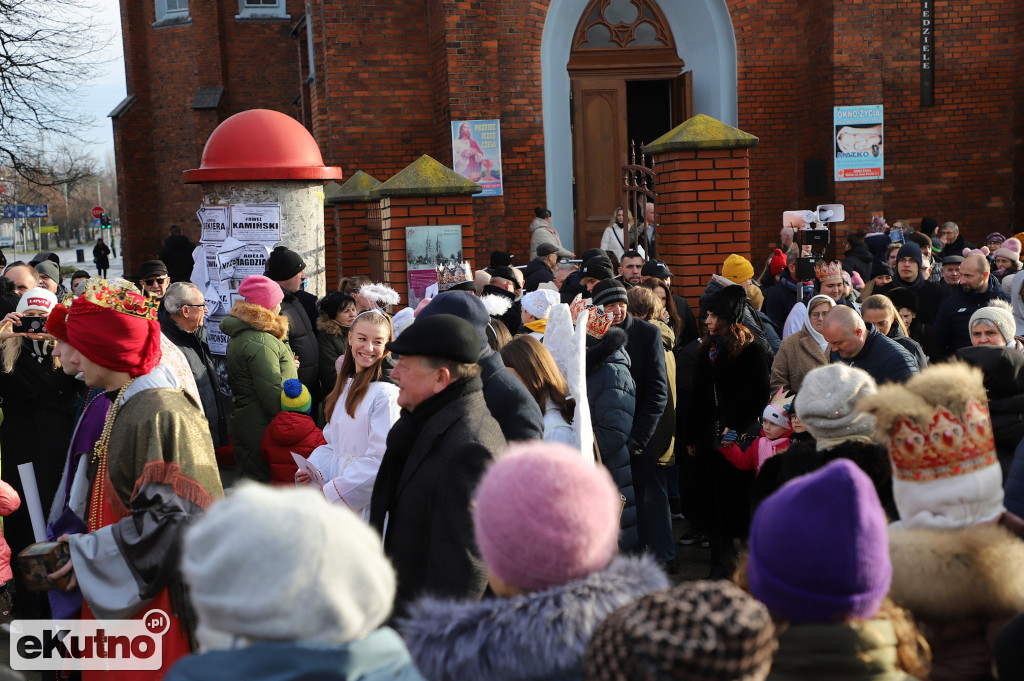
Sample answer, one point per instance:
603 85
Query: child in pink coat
9 503
775 432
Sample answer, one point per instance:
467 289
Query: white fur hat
37 299
273 564
538 303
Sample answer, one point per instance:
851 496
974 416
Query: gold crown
829 270
947 448
598 324
453 274
120 297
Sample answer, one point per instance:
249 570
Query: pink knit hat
1009 250
544 516
262 291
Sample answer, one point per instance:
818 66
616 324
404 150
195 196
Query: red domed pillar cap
260 144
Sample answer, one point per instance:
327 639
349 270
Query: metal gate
639 182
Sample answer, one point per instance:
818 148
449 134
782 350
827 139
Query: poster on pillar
426 248
476 153
858 142
256 223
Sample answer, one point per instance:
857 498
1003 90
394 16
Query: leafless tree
49 50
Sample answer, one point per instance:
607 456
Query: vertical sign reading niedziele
927 52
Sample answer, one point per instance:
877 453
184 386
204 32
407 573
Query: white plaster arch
705 42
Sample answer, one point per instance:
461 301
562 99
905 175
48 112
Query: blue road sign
37 211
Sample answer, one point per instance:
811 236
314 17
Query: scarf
402 438
818 338
537 325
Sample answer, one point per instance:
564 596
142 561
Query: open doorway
648 110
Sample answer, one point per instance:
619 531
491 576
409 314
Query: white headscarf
818 338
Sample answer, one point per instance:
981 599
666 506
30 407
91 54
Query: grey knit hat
696 630
826 404
998 316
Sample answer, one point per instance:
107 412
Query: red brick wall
708 191
398 73
952 161
351 221
390 75
162 135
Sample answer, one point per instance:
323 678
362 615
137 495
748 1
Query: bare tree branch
49 50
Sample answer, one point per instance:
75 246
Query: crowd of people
491 484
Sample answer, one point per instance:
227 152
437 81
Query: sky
108 89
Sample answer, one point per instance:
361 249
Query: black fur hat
728 303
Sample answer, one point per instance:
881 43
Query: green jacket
259 361
665 433
855 651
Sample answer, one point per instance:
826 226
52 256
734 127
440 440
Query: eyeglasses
202 305
818 315
157 280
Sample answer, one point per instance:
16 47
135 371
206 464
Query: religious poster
476 153
427 247
256 223
858 140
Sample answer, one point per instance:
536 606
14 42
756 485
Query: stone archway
704 41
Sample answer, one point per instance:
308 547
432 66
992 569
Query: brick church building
573 83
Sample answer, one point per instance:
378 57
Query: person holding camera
38 401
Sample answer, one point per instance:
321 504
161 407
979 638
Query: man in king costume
152 473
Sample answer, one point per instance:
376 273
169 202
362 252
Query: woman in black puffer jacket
612 396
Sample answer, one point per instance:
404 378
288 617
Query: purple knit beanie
819 548
544 516
262 291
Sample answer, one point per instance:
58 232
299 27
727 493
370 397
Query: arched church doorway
626 86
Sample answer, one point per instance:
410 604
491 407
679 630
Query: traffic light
104 221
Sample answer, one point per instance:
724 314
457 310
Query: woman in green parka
259 361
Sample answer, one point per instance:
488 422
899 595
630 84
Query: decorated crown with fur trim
937 425
122 298
829 270
452 274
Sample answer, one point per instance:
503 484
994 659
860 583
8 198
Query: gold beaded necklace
99 460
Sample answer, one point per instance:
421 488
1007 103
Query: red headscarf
112 326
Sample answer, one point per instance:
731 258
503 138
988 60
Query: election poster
426 247
476 153
859 143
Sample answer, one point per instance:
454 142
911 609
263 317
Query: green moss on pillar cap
701 132
427 177
360 187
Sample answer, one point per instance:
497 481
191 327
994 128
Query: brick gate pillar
346 212
703 209
424 193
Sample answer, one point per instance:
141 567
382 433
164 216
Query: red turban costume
113 325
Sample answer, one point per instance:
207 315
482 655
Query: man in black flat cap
154 278
436 453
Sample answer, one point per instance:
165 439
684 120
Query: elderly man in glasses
182 315
154 278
